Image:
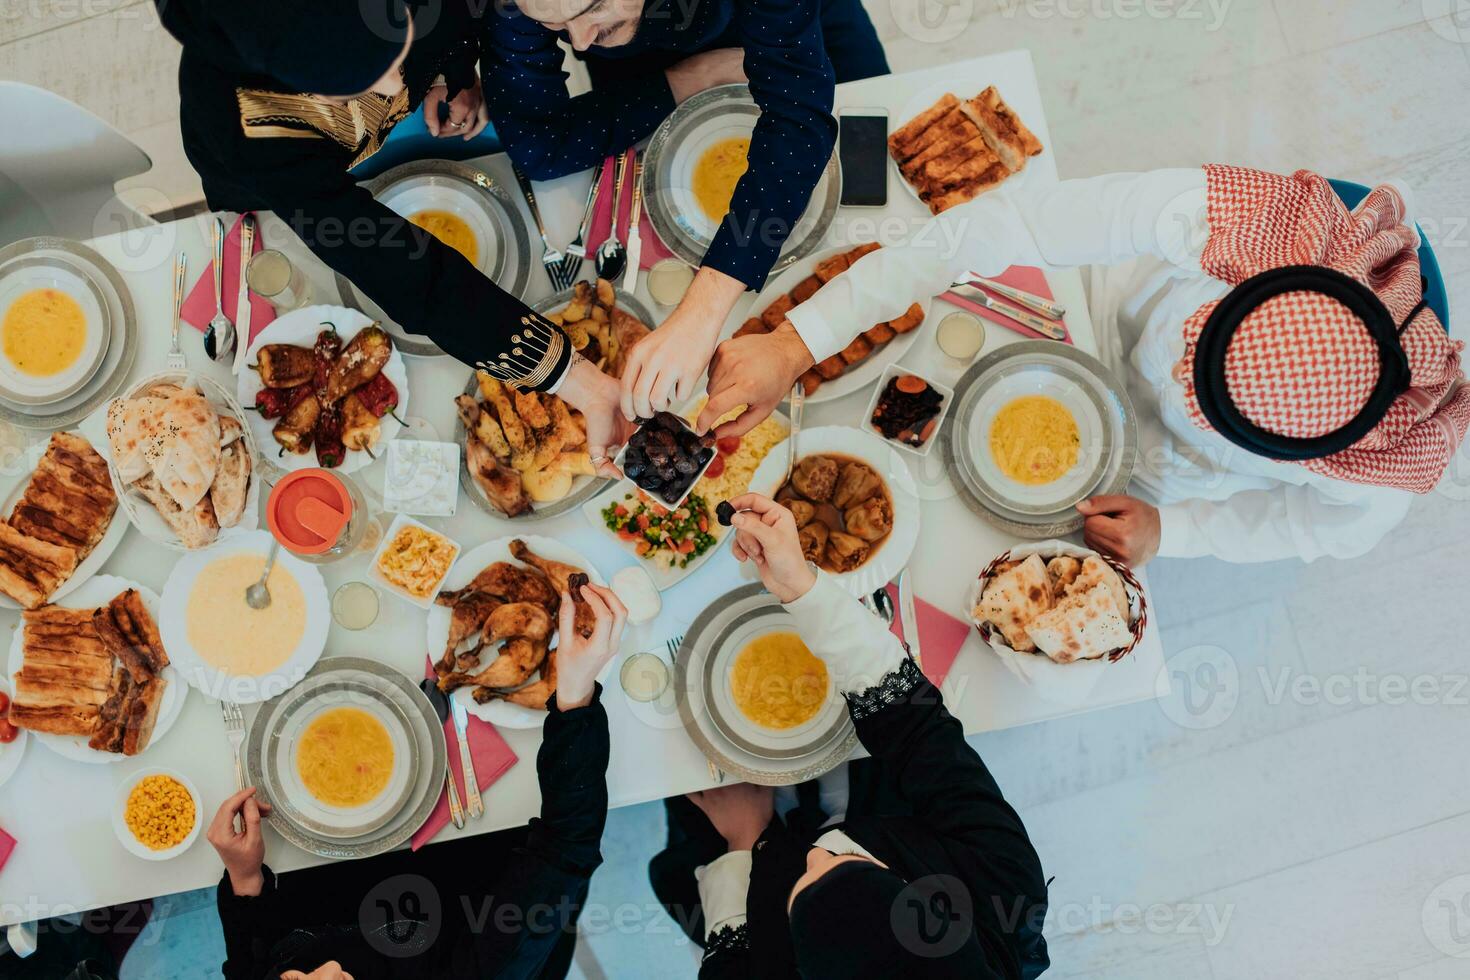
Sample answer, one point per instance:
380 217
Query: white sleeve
1096 221
1289 521
856 645
723 885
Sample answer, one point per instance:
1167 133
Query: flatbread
1084 626
184 448
1095 572
1013 599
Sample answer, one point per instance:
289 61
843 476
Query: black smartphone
862 150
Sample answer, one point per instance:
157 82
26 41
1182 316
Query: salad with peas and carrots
675 537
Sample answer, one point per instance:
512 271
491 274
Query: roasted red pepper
328 438
273 403
379 395
328 345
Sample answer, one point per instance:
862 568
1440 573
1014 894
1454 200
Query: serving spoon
257 596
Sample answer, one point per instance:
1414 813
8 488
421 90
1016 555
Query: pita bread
1063 571
183 449
1084 626
1095 572
130 424
1013 599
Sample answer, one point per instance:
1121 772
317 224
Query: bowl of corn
158 814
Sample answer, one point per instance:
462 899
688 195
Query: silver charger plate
700 644
718 113
427 779
506 260
1115 466
122 345
584 488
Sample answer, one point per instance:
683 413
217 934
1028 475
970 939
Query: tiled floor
1298 808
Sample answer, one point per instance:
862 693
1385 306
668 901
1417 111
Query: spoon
611 256
219 336
258 596
882 604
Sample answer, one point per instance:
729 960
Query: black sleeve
902 721
252 925
727 954
541 887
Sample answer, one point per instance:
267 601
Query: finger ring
459 125
598 460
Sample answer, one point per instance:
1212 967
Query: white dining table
69 860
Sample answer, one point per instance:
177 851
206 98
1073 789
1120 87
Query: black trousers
847 33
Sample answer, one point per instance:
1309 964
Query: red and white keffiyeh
1302 365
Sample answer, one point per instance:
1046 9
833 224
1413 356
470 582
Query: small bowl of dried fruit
907 409
666 457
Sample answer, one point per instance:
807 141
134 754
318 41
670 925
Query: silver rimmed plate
503 245
584 488
1097 401
730 621
121 346
358 682
701 121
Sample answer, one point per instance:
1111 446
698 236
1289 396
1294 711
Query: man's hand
664 367
720 66
1124 527
468 115
756 371
765 535
740 812
595 395
243 852
579 660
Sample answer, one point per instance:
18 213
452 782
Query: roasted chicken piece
564 578
481 425
515 584
468 611
501 484
525 619
532 695
514 665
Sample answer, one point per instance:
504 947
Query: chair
1352 195
410 140
58 167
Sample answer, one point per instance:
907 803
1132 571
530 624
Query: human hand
719 66
580 659
765 535
1124 527
243 852
756 371
740 812
330 970
664 366
596 396
468 115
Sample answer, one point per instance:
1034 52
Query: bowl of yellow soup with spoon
54 334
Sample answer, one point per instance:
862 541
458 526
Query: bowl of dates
666 457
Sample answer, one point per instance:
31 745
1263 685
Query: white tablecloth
68 858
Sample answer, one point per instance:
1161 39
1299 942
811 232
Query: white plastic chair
59 165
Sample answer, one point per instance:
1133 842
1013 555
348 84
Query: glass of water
271 275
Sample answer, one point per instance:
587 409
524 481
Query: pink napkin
1025 277
940 636
198 306
653 246
7 844
493 759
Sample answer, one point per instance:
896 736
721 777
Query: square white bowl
622 454
399 523
889 373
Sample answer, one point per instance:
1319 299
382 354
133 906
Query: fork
176 360
672 645
571 266
235 732
550 258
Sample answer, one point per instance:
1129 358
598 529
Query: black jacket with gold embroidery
257 147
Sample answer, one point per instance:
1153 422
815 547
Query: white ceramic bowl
25 388
399 523
120 824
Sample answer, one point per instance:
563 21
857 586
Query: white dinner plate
301 327
11 488
54 273
425 192
98 591
470 564
12 752
866 371
243 689
930 94
893 553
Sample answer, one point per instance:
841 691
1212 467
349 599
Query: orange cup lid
307 510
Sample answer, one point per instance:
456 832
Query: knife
242 301
1036 304
1047 328
471 782
910 618
437 698
635 243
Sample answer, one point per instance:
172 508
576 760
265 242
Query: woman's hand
595 395
765 535
664 367
468 115
740 812
1124 527
756 371
579 660
243 852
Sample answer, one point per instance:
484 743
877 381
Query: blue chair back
1352 195
411 140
